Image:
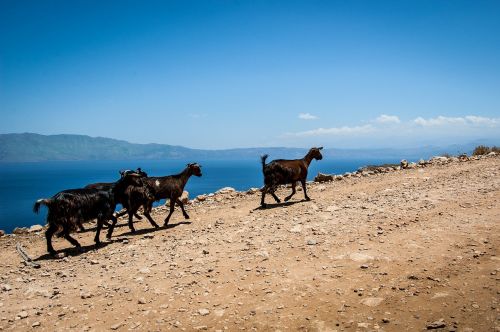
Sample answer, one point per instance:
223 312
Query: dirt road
406 250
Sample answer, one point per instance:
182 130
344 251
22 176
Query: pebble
116 326
311 242
23 314
436 325
203 312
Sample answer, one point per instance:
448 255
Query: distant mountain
28 147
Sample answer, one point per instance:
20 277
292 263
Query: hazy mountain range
29 147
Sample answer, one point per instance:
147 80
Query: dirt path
406 250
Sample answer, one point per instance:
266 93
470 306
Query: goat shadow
153 229
73 251
276 205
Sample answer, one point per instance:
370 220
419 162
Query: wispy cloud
471 124
307 116
384 118
334 131
467 120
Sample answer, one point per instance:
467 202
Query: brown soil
406 250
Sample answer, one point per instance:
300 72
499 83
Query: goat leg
287 198
100 222
172 205
148 216
72 240
179 202
111 228
303 182
80 226
130 222
276 198
262 203
48 235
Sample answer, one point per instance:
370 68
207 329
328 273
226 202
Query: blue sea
21 184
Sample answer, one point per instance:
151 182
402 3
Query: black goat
169 187
69 207
131 194
283 171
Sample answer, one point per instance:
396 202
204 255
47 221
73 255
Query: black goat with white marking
70 207
282 171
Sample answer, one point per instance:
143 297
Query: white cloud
335 131
467 120
479 120
384 118
307 116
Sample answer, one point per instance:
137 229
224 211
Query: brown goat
283 171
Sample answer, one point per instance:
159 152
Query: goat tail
263 160
38 203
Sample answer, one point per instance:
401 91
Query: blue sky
224 74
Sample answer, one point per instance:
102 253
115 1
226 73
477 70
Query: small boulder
323 177
20 230
404 163
225 190
203 312
252 191
35 228
201 198
2 232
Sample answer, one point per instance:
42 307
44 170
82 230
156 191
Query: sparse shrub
495 149
481 150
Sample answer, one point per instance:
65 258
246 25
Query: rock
385 320
23 314
436 325
323 177
225 190
184 197
312 242
296 229
372 301
145 270
439 295
422 162
86 295
463 157
141 301
358 257
20 230
116 326
438 160
2 232
252 191
201 198
491 154
404 163
203 312
35 228
412 165
36 324
6 287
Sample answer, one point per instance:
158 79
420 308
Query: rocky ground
412 249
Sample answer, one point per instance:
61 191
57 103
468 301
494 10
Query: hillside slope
405 250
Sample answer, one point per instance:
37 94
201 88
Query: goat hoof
287 199
308 199
186 217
